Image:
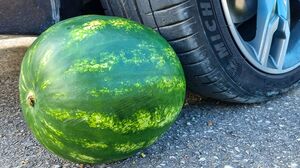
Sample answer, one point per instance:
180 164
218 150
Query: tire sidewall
232 62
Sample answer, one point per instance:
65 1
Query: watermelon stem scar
31 99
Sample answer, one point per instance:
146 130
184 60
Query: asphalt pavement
208 133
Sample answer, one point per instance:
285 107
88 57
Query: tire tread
168 16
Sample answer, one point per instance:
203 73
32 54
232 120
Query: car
32 17
243 51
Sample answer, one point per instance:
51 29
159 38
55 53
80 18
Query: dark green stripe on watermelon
95 89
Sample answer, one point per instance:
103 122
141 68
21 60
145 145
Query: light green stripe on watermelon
151 141
23 81
94 25
59 95
46 57
52 135
140 120
59 114
42 62
84 158
87 30
100 92
168 84
92 66
45 84
30 55
125 24
170 52
85 143
90 28
54 140
22 87
128 147
95 145
51 128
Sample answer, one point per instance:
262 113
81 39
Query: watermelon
96 89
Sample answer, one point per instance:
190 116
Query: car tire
214 65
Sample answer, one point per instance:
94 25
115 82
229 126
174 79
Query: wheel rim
266 33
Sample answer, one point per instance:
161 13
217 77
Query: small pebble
293 165
66 165
210 123
56 166
143 155
162 164
23 162
237 149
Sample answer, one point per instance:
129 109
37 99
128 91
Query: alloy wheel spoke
283 35
281 44
267 24
273 32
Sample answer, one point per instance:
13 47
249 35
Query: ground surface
21 16
207 134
